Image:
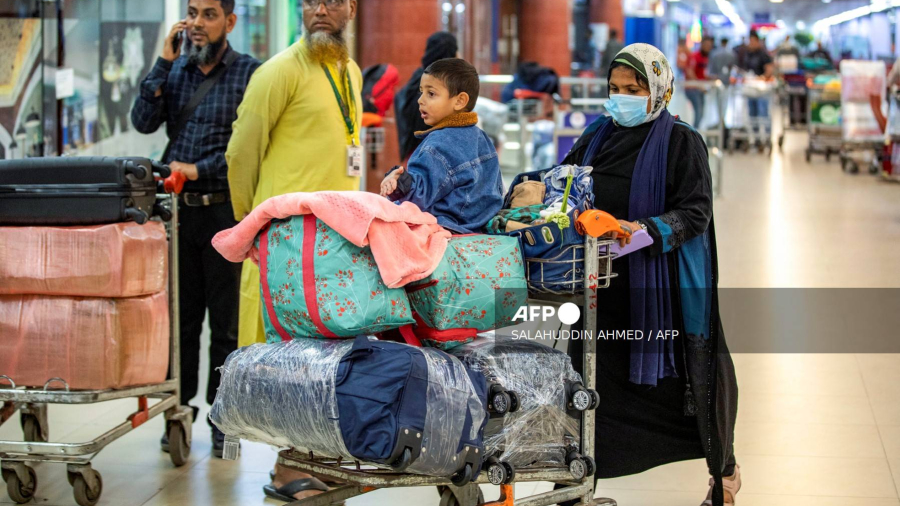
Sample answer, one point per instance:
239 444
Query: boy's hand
389 185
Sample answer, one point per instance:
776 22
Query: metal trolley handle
10 380
55 380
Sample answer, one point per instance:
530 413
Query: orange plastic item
118 260
174 183
89 343
370 119
599 223
522 94
507 497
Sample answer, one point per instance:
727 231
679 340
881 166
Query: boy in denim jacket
454 174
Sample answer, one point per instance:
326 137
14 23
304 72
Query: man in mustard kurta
297 125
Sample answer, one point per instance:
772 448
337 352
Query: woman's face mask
629 102
628 110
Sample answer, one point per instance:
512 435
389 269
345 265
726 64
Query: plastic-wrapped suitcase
90 343
385 403
78 190
115 260
543 430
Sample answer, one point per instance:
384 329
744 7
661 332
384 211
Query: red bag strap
409 335
264 280
309 275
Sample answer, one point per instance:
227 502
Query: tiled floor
813 430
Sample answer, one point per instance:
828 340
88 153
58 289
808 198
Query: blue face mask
628 110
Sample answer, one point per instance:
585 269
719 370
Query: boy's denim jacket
454 175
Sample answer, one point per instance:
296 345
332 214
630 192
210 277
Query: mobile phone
176 41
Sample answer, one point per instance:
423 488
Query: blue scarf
651 306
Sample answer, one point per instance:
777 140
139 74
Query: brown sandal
731 484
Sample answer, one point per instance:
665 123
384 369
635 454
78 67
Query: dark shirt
756 61
205 137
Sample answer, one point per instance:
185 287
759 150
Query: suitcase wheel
515 402
403 462
590 466
510 473
496 472
463 476
578 468
581 399
595 400
501 403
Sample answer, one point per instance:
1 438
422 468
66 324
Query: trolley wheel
179 450
497 472
84 496
514 397
448 498
874 168
781 141
462 477
17 491
403 461
510 473
595 400
590 466
809 156
32 429
581 399
501 402
827 156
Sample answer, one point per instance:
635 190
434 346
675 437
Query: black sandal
286 493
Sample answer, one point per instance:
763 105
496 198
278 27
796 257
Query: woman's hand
630 228
389 185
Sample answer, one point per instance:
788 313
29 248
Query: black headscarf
440 45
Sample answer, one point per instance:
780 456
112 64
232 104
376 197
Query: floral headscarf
651 63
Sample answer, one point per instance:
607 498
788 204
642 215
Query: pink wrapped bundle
120 260
90 343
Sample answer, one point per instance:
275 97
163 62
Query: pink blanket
407 243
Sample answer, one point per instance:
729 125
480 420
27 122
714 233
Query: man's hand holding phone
172 46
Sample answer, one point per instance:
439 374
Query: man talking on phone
195 88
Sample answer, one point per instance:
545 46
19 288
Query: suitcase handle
160 168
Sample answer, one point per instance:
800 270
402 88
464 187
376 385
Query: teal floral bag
479 285
314 283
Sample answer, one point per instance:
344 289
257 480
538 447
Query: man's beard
206 55
327 47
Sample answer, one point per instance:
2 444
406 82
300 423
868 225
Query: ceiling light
728 10
823 24
801 25
777 1
780 23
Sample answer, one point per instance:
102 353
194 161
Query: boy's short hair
458 76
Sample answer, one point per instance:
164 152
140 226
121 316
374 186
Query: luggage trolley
21 479
595 273
823 121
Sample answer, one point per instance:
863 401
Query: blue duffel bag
413 409
554 258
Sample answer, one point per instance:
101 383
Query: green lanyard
345 111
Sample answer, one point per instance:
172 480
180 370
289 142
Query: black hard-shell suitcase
79 190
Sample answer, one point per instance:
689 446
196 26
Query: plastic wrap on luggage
118 260
283 394
286 395
539 433
91 343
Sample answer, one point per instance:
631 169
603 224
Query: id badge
354 161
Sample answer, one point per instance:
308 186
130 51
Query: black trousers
206 282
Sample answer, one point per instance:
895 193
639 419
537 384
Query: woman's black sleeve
688 193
